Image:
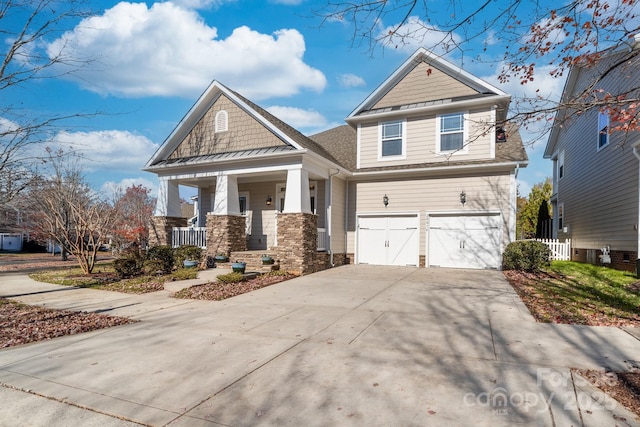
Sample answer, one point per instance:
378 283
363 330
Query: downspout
329 219
637 154
346 219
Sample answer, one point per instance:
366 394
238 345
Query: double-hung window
603 130
392 139
450 132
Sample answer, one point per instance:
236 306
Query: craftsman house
423 174
595 174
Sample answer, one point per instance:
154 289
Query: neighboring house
420 175
595 173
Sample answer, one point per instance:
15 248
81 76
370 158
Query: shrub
127 267
187 252
526 255
160 258
231 278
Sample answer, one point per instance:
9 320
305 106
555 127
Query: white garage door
388 240
465 241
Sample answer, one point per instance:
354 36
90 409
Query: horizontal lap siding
337 215
600 188
421 142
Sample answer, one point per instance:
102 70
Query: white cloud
168 50
108 150
297 117
350 80
416 33
111 187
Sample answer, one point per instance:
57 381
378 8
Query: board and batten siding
421 141
424 83
485 193
599 189
243 133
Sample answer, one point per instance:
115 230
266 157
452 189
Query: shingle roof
340 142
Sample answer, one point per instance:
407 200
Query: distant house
595 173
423 173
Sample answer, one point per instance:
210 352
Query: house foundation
161 229
298 242
226 234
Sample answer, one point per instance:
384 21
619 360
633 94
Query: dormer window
392 136
603 130
451 133
222 121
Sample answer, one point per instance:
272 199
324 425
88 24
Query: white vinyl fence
196 236
560 251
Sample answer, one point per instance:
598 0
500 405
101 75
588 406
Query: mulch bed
218 291
624 387
22 324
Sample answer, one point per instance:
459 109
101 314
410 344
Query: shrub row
158 259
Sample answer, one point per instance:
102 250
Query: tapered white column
297 198
226 199
168 203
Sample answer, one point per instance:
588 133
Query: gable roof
341 143
293 139
478 91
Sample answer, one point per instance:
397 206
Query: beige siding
424 83
599 189
421 144
427 196
338 189
244 133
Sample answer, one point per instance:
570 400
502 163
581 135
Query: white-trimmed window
451 133
221 121
392 137
560 164
603 130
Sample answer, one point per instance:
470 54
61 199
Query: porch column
204 205
168 202
226 200
297 198
167 214
225 226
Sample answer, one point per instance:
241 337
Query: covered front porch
282 210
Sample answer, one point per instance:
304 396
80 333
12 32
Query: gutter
437 169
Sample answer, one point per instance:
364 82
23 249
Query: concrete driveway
355 345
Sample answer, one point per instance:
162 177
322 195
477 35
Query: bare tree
25 28
554 36
68 211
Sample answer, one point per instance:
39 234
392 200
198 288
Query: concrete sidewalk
355 345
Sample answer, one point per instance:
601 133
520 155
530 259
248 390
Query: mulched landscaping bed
21 324
624 387
219 291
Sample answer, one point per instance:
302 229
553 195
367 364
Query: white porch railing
560 251
196 236
322 239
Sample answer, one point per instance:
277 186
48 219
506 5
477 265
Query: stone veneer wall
161 227
225 234
297 242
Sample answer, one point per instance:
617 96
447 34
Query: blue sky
149 62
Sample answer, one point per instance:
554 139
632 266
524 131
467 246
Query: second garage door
388 240
465 241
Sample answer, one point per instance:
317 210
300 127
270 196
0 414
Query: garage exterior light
463 198
385 200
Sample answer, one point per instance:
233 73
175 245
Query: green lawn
571 292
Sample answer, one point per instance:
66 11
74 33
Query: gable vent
222 121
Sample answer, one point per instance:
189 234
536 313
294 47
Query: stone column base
161 228
225 234
297 242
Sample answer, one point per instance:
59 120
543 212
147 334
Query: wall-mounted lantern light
501 135
385 201
463 198
269 200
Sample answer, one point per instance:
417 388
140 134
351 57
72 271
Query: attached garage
465 241
388 240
